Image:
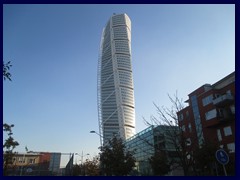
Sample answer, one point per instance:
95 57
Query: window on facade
180 117
232 107
188 142
220 112
227 131
231 147
190 127
187 115
211 114
207 100
183 128
228 92
31 161
21 160
219 135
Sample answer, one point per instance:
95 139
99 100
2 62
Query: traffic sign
222 156
29 170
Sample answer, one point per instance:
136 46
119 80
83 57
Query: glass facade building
145 143
142 144
115 82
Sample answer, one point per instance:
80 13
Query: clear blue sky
52 100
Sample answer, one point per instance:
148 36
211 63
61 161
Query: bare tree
175 134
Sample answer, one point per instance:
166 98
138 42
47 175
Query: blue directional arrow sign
222 156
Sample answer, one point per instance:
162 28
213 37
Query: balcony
223 100
227 116
223 115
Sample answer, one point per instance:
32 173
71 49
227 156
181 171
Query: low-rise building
147 142
210 116
35 163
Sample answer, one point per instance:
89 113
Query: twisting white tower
115 82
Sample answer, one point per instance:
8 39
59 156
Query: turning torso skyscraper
115 82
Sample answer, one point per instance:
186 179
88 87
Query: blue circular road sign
222 156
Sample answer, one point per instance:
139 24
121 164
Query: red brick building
210 115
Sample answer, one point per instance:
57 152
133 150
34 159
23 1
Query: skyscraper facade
116 109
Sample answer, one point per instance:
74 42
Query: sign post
223 158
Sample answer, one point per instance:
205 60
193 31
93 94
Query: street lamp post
99 136
82 159
101 165
82 156
23 162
